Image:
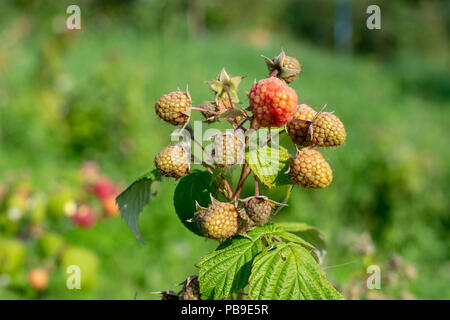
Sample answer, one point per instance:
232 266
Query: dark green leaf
196 186
134 198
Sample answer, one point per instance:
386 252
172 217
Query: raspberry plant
256 258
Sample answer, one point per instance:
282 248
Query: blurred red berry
85 216
110 206
104 188
90 172
38 279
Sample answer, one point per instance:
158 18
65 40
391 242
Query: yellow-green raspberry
191 289
298 127
227 149
173 161
309 169
327 131
219 221
174 107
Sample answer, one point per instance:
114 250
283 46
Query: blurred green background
71 96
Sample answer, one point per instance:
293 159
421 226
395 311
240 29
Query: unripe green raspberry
327 131
227 149
291 64
258 209
288 67
298 127
219 221
309 169
173 161
191 289
174 107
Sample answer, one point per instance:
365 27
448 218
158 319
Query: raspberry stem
256 185
229 96
229 193
227 185
241 124
286 198
204 110
231 102
245 168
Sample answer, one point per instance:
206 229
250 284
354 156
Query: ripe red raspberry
227 149
173 161
219 221
309 169
191 289
298 130
174 107
327 131
273 102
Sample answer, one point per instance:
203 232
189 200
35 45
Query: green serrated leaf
227 269
290 237
196 186
134 198
308 233
289 272
270 165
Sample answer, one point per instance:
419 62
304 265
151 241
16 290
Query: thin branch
245 168
204 110
242 123
227 185
244 174
256 185
286 198
229 96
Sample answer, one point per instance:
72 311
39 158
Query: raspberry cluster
272 103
